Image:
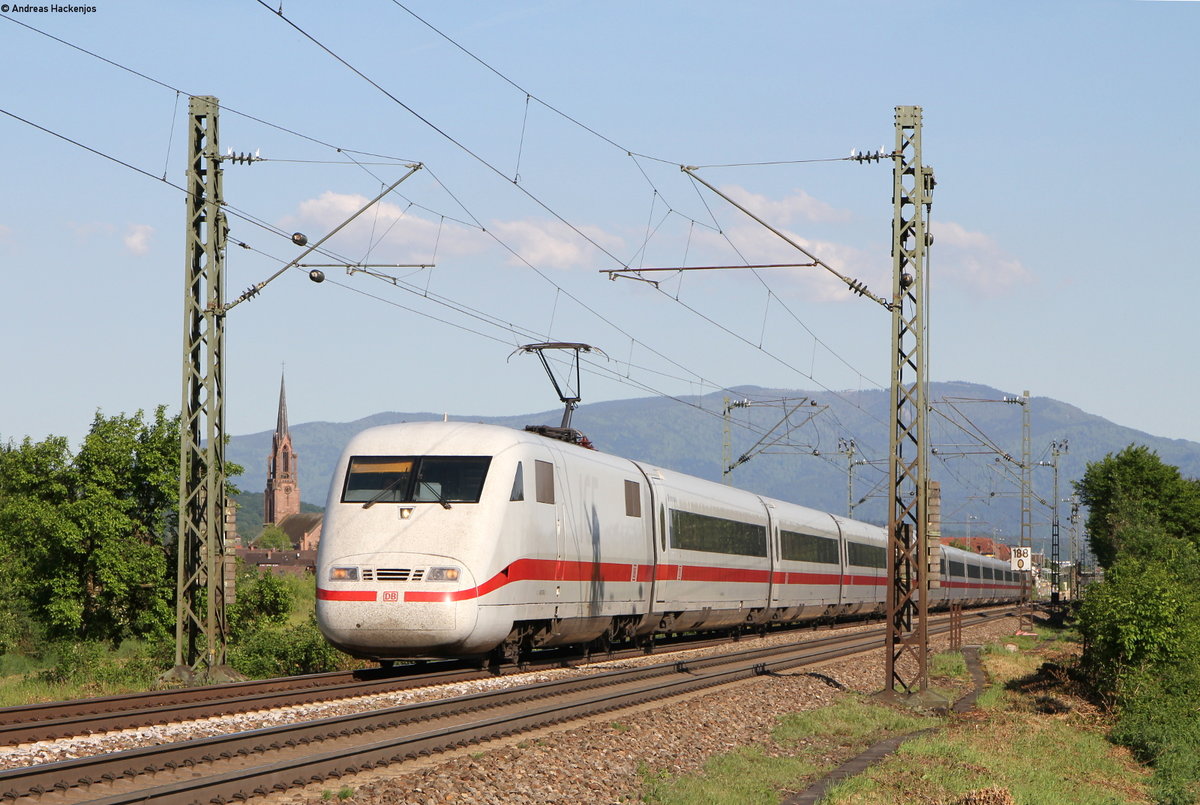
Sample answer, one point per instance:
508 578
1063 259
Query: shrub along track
244 764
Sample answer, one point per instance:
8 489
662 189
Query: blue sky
1061 135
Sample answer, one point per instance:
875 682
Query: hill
686 435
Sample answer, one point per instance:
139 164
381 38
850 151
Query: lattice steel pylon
908 555
200 627
1025 622
1057 448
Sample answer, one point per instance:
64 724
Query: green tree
1141 624
1130 487
273 538
262 599
89 534
1145 615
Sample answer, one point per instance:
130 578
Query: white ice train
449 539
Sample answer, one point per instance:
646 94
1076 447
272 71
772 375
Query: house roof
296 526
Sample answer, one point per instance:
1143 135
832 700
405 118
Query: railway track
51 720
245 764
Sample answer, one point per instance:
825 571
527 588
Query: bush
93 665
20 632
286 651
1157 720
263 599
1142 616
1141 628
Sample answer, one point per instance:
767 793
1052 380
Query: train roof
457 437
477 438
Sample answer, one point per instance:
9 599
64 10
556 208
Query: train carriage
713 568
808 566
457 539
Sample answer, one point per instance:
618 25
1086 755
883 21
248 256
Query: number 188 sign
1021 558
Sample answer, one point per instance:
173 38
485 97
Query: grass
949 664
1030 741
1038 760
76 671
1015 744
804 746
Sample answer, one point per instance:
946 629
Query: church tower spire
281 426
282 495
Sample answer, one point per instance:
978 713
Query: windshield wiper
445 503
384 491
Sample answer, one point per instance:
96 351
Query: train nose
391 604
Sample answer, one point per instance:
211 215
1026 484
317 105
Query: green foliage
262 600
1145 615
274 650
85 537
1142 635
1126 491
273 538
92 666
1158 721
273 627
1141 625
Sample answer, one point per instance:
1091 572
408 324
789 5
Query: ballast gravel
604 760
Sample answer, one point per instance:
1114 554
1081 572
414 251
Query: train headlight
343 574
443 574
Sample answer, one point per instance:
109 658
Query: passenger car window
544 479
633 499
518 490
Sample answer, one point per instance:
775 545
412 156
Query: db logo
391 596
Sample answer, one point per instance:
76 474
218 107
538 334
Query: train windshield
415 479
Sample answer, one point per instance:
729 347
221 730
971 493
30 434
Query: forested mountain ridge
686 435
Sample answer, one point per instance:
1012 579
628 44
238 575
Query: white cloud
756 245
551 244
799 205
969 261
137 238
386 232
974 261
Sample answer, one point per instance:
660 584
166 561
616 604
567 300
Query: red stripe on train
558 571
345 595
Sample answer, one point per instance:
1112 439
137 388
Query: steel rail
50 720
43 722
63 775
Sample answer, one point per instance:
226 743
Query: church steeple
282 495
281 426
